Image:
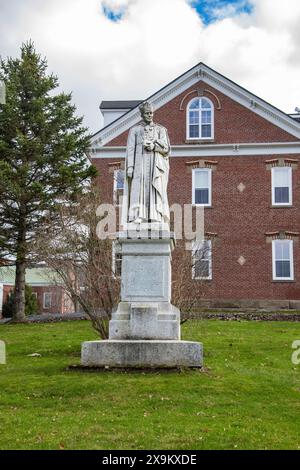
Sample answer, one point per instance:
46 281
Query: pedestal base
148 320
145 329
142 354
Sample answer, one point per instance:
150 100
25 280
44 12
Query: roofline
182 75
151 96
247 91
285 121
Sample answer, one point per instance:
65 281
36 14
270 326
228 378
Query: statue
144 330
147 171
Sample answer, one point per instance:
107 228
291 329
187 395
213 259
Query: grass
248 398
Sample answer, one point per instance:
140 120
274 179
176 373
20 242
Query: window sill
199 141
283 206
202 205
285 281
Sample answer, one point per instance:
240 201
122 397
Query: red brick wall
60 301
6 291
60 304
240 219
233 122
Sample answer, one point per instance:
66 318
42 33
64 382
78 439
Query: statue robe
146 192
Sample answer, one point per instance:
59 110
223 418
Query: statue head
147 112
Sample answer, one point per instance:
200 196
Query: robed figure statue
147 171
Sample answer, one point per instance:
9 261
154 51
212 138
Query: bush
31 306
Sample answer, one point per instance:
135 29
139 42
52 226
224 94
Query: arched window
200 119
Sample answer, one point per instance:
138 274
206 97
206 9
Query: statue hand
130 172
149 146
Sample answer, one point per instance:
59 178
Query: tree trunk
19 311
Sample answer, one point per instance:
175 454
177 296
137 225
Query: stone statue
147 171
144 330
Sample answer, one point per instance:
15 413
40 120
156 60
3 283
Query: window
47 302
282 186
119 176
202 260
283 260
116 259
202 187
200 119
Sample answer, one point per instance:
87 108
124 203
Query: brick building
51 297
238 157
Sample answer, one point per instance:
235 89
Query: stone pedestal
145 328
139 354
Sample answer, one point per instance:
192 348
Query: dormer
112 110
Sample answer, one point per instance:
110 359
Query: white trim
211 150
291 259
115 110
209 172
212 109
182 83
290 172
46 284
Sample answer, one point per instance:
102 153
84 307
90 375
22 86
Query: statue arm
130 155
162 145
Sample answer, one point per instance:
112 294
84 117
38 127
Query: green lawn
248 398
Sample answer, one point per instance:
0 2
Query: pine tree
31 304
42 158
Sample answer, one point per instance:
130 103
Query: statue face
148 117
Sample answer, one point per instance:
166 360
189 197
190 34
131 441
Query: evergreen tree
31 305
42 158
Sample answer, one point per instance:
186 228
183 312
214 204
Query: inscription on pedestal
145 277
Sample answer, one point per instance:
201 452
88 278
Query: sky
128 49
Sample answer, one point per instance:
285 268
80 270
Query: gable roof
185 81
34 276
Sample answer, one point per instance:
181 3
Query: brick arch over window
200 119
201 92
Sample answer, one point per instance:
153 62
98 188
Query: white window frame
291 259
44 300
200 123
210 276
115 188
290 171
115 250
209 172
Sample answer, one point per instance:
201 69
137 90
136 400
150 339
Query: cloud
154 41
